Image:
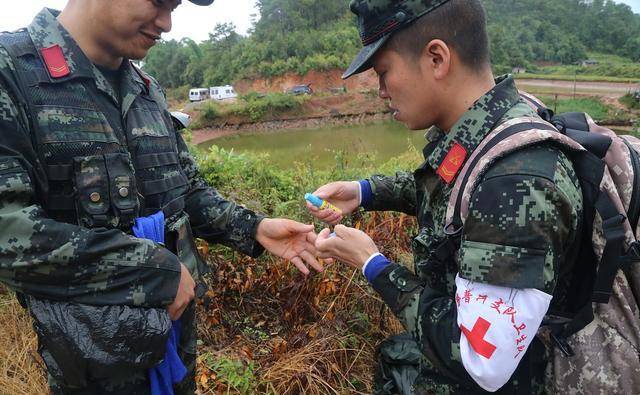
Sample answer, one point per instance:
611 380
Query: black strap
612 226
60 203
634 204
156 187
174 207
156 160
506 133
446 250
60 172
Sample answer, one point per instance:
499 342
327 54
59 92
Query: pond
384 140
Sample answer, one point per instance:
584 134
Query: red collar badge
452 163
56 63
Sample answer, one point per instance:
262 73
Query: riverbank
360 108
203 135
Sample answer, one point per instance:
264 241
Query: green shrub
236 374
252 181
210 112
630 102
591 105
179 94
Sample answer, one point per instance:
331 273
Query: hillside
299 36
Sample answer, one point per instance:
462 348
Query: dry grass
294 335
263 328
21 369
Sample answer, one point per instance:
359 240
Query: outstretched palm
290 240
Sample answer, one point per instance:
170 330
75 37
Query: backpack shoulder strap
511 136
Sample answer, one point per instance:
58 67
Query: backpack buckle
632 256
562 344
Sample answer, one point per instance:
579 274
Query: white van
198 94
222 92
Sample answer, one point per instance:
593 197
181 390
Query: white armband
498 325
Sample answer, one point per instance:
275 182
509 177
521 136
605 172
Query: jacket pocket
106 191
123 189
91 185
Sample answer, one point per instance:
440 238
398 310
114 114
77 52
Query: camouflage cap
202 2
378 20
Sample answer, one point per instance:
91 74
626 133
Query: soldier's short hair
461 24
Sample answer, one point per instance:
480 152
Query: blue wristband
366 194
375 266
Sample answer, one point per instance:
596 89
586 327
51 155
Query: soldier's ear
436 59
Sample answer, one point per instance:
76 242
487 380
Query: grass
591 105
579 77
21 368
630 102
610 68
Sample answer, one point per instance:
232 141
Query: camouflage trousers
137 382
403 370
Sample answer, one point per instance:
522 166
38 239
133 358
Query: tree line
302 35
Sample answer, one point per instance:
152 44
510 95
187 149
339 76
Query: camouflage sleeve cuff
397 286
242 232
257 249
397 193
163 283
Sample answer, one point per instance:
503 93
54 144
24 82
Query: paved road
609 89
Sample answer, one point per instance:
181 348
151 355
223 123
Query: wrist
374 265
365 193
260 226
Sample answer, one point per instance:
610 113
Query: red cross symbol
476 337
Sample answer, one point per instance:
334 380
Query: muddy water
383 140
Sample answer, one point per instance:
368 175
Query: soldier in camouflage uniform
87 146
477 295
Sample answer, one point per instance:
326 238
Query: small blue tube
313 199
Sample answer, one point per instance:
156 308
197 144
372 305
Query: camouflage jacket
522 224
77 166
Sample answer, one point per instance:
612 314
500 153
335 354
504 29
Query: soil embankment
354 101
320 81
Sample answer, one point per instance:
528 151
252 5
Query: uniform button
95 197
124 192
402 282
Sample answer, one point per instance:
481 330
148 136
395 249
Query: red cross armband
497 325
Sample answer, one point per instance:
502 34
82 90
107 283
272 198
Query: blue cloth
366 194
375 267
171 370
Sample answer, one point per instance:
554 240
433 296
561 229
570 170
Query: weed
234 374
630 101
591 105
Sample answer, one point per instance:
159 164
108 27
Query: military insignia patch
452 163
56 63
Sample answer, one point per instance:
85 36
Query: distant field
566 87
609 68
578 77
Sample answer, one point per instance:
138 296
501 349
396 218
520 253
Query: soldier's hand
290 240
349 245
186 293
345 195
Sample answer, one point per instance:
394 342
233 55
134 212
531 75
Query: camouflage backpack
594 343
